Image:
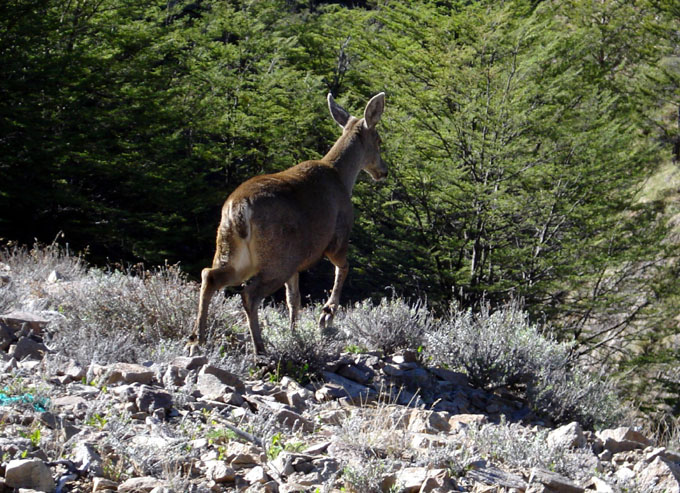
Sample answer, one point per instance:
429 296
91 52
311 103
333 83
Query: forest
533 148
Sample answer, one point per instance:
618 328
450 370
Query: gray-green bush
364 477
108 316
36 263
388 326
25 268
502 348
143 314
522 447
495 349
135 311
302 351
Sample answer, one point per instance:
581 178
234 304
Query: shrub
364 477
27 268
9 299
570 394
496 349
124 456
374 440
665 428
391 325
503 348
301 352
520 447
133 312
37 263
376 430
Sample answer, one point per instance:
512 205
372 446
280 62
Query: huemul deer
274 226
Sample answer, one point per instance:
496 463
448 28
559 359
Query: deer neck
347 156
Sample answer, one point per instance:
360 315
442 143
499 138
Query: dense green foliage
519 135
125 123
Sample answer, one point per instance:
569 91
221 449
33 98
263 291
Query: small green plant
275 446
220 435
299 373
278 445
275 377
97 420
354 349
16 387
294 446
35 437
112 469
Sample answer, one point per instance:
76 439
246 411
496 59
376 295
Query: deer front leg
211 281
331 307
293 298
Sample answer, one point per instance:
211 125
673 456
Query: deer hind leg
252 295
293 298
331 307
212 280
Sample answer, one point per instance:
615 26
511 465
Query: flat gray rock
29 473
351 390
554 481
18 319
27 348
491 475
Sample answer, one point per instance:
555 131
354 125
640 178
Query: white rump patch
237 217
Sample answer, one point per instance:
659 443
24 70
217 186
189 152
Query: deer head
366 132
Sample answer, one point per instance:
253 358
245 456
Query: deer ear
339 114
374 110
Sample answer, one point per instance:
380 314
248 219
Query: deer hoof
327 315
191 346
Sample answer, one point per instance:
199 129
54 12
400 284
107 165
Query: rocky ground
368 423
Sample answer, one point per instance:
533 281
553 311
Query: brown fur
274 226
